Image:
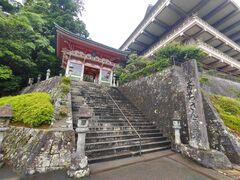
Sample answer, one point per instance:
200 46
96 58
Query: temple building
213 25
84 59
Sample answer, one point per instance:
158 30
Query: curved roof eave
61 29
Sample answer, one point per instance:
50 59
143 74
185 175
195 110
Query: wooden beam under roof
226 18
216 10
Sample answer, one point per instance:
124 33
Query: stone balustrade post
48 74
79 165
177 127
30 81
114 81
5 115
39 78
81 130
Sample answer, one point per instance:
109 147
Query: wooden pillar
111 78
67 69
82 73
100 76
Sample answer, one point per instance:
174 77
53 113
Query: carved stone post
39 78
30 81
48 74
5 116
114 80
79 166
177 127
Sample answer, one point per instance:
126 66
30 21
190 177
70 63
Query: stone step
114 114
122 141
114 128
117 123
120 132
119 120
122 123
131 147
120 137
116 111
125 154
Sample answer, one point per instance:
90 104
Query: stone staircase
111 136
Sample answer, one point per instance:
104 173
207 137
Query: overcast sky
111 21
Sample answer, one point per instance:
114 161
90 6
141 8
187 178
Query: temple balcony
217 24
218 60
196 28
213 41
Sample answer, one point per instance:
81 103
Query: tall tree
27 39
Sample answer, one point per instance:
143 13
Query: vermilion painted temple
85 59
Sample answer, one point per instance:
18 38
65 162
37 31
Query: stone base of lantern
79 167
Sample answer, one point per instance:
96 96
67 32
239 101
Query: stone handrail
140 138
189 22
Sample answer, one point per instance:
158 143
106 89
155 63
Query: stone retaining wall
220 138
220 86
177 89
48 86
33 150
158 96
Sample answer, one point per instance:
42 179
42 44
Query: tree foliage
27 38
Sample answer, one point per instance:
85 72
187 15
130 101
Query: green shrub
138 66
229 110
65 86
32 109
66 80
151 68
203 80
63 111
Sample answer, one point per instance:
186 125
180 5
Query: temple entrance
91 74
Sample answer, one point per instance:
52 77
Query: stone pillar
177 127
197 127
48 74
5 116
79 165
30 81
39 78
114 80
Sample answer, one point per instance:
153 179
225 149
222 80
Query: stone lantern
79 165
5 116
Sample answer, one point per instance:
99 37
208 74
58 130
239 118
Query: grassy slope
229 110
32 109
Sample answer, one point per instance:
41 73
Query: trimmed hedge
229 111
34 109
